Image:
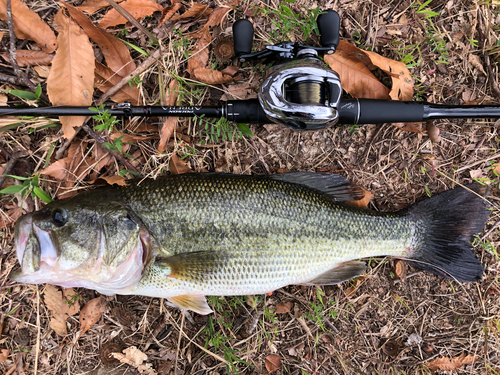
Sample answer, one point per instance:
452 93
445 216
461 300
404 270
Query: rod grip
375 111
246 111
329 27
243 37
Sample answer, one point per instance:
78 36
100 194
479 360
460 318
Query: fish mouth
22 231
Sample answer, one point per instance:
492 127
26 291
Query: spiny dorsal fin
340 273
195 302
193 266
334 185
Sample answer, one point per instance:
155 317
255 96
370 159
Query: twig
12 80
13 55
125 80
11 164
495 226
482 39
478 146
100 141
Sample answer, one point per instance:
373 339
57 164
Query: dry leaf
11 212
362 203
475 61
449 364
283 308
357 80
71 78
119 180
105 78
62 306
135 358
196 10
273 363
496 168
115 52
29 57
57 170
216 17
400 269
199 56
476 173
240 91
168 12
91 313
168 127
4 354
42 71
178 166
433 132
137 8
230 70
29 25
92 6
210 76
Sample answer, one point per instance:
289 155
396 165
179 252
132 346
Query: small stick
100 141
12 80
125 80
11 164
495 226
494 84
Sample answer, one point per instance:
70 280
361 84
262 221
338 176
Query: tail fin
448 221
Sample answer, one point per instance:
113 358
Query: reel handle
329 27
243 37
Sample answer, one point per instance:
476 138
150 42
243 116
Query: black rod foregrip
329 28
374 111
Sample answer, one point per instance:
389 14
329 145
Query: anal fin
194 302
340 273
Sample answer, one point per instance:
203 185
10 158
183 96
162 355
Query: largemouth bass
187 236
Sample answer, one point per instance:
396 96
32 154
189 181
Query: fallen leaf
137 8
230 70
400 269
357 80
115 52
42 71
168 12
283 308
362 203
199 56
196 10
475 61
4 354
29 25
135 358
433 132
178 166
210 76
30 57
11 212
240 91
116 179
496 168
169 125
476 173
91 313
217 17
62 305
71 78
105 78
57 169
92 6
449 364
273 363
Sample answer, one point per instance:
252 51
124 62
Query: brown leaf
230 70
178 166
196 10
135 358
400 269
92 6
475 61
273 363
351 64
4 354
62 306
57 169
476 173
433 132
199 56
29 25
71 77
30 57
449 364
137 8
168 12
210 76
42 71
168 127
91 313
114 51
283 308
11 212
240 91
496 168
105 78
119 180
362 203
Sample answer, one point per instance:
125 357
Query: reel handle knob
243 37
329 27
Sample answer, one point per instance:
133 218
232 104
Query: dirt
381 323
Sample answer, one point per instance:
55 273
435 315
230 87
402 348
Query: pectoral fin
342 272
197 303
194 266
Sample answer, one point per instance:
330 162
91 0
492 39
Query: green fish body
187 236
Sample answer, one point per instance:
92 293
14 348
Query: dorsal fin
334 185
193 266
340 273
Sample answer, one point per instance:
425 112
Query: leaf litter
390 164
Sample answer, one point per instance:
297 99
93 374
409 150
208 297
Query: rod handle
329 27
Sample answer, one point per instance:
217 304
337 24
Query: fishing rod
299 91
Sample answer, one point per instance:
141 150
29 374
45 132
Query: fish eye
59 216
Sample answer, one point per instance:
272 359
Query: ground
395 319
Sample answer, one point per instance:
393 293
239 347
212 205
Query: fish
183 237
